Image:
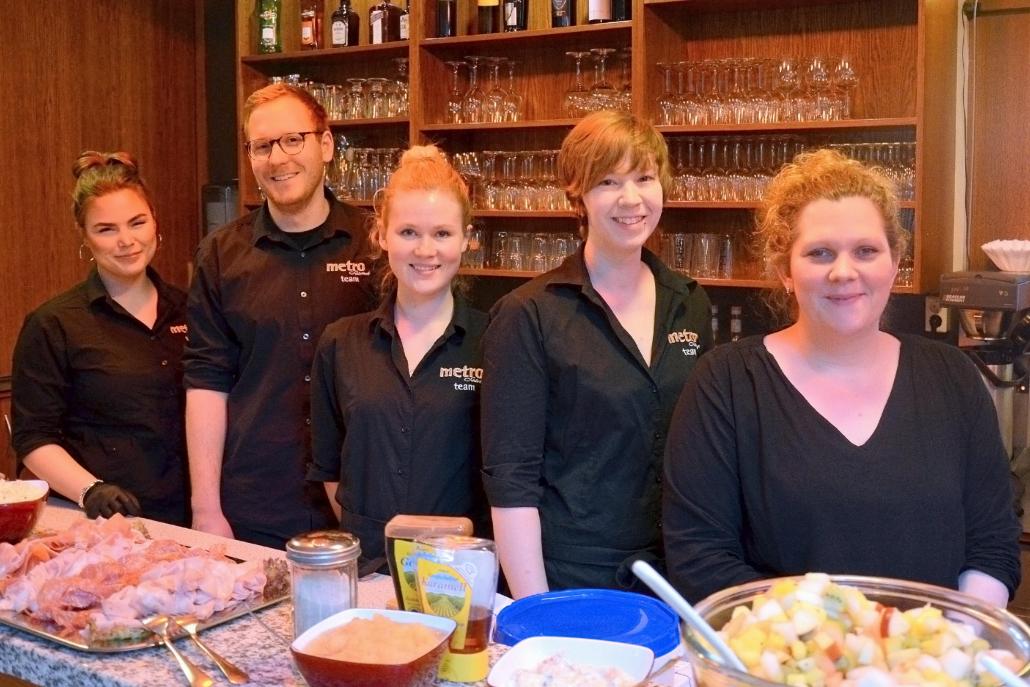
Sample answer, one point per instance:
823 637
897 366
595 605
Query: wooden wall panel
108 75
1000 135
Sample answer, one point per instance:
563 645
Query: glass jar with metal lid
324 574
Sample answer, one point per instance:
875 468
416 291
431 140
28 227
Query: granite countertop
258 643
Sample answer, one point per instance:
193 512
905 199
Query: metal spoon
158 624
1000 671
659 585
231 672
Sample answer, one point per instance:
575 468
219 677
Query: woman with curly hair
833 445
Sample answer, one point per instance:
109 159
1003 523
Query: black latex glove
107 499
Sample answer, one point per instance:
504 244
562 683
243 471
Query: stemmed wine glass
603 95
666 102
472 105
456 96
399 91
512 99
576 97
493 102
844 82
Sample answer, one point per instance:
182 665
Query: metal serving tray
45 630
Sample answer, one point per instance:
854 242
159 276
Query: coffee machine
994 311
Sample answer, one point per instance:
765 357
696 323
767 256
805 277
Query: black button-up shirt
397 443
92 379
258 304
574 420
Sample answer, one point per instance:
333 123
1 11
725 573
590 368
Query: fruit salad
813 632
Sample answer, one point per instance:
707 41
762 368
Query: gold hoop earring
81 256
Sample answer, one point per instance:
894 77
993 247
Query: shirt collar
573 272
338 221
95 289
383 316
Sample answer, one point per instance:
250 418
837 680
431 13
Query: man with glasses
265 287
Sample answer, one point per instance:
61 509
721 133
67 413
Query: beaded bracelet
85 490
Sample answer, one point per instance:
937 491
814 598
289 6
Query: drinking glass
513 101
476 251
576 97
539 255
472 104
561 248
499 250
844 82
456 96
356 99
603 95
666 102
705 256
399 90
377 107
493 101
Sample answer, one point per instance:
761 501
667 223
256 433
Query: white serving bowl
632 659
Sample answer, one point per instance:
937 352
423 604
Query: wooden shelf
328 55
495 126
841 125
525 39
368 123
740 205
737 5
536 214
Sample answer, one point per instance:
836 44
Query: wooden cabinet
903 52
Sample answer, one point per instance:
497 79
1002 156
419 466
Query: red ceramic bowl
328 672
21 502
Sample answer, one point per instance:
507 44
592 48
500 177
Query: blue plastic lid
591 614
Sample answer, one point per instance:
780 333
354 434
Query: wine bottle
311 24
344 29
515 15
599 11
384 22
446 18
404 20
489 13
269 26
563 13
622 10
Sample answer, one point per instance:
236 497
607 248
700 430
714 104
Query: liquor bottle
563 13
405 20
345 26
384 22
311 25
489 13
515 15
599 11
269 33
622 10
735 324
446 18
715 325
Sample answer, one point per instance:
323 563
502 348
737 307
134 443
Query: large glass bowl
999 627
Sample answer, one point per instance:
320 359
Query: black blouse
93 379
397 443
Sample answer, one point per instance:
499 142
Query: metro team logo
352 271
687 337
471 377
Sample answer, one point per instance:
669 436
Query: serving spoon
158 624
1002 673
228 668
660 586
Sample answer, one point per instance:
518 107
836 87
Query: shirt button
654 390
305 336
404 430
400 471
307 421
164 363
153 338
307 378
303 254
659 524
303 294
657 435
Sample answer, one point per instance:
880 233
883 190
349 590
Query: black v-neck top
760 484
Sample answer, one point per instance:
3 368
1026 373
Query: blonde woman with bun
395 392
97 394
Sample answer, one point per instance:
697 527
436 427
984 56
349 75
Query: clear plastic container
324 575
401 533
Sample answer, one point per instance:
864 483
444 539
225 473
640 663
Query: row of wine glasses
602 94
357 173
512 179
728 168
361 98
701 255
897 160
756 90
471 103
520 250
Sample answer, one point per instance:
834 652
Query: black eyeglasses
291 144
